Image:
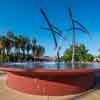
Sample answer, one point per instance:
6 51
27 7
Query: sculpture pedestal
51 85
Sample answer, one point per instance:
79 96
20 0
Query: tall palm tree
10 36
40 50
23 43
28 48
34 41
3 45
34 46
20 45
16 45
37 50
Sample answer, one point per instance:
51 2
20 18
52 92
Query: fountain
50 82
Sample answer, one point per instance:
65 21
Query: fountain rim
27 77
54 72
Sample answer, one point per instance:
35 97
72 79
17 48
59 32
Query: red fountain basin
51 82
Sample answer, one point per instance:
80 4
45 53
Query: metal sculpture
73 28
54 30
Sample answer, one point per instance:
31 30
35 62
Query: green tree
10 36
37 50
20 47
3 46
28 48
80 55
68 54
23 42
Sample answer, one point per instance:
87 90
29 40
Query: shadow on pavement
88 92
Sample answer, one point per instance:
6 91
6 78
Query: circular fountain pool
45 79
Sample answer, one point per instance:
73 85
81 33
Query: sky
24 17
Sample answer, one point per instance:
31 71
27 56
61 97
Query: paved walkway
9 94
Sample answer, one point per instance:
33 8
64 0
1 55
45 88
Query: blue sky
23 17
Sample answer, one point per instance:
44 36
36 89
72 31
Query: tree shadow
97 83
81 95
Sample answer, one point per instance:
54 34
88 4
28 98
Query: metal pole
53 34
58 58
73 38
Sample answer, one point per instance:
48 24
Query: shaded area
98 83
90 92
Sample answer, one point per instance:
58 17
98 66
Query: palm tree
37 50
34 46
34 41
28 48
20 45
9 37
3 46
16 45
23 43
40 51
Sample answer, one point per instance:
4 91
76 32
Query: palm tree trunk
23 53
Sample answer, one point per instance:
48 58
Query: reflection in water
52 65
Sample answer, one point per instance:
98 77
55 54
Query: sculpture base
51 85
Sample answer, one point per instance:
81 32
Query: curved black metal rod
55 31
53 34
76 29
49 24
73 37
78 23
60 32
